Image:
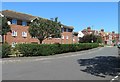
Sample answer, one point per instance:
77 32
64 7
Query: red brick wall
19 39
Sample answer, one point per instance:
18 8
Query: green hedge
6 50
51 49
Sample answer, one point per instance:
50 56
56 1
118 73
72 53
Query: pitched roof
18 15
75 33
70 27
23 16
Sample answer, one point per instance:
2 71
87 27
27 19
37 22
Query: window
33 37
73 39
62 37
69 30
24 34
66 29
24 23
62 29
13 44
0 38
14 21
67 37
14 33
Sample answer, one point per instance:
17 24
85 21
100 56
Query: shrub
6 50
89 38
51 49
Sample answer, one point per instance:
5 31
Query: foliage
89 38
51 49
43 28
4 27
6 50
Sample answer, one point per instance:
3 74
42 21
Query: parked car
118 46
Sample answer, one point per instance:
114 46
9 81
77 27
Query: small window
33 37
66 29
62 29
67 37
62 37
24 34
24 23
14 21
69 30
13 44
14 33
73 39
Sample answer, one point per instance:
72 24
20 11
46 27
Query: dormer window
14 21
66 29
62 29
24 23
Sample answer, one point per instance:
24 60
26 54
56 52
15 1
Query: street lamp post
61 33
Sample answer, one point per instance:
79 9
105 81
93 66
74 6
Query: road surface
67 66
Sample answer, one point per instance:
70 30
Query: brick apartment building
19 23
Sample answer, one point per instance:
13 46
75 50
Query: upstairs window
66 29
62 29
14 21
14 33
24 34
69 30
24 23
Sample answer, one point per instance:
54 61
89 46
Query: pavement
65 66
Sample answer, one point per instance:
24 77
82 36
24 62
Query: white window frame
66 29
24 34
14 33
67 37
62 36
13 44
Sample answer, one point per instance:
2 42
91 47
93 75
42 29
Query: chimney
89 28
113 32
102 30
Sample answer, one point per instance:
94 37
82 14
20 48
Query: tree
43 28
4 27
91 38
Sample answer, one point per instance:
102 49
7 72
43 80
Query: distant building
80 34
89 31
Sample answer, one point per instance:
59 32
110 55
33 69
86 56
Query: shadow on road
101 65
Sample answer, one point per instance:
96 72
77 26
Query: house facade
108 38
19 23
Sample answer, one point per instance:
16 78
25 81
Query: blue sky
78 14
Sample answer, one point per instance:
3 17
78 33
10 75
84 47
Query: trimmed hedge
6 50
51 49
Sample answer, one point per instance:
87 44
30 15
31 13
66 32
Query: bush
6 50
89 38
51 49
